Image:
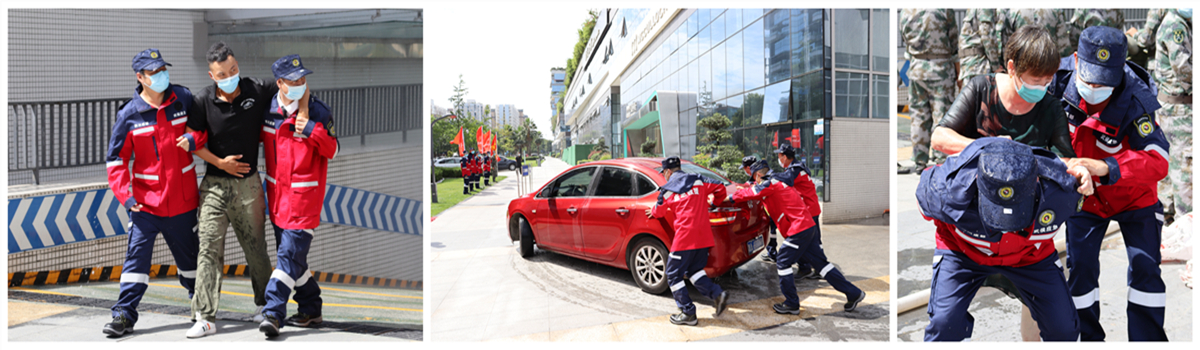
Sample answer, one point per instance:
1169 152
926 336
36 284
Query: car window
645 186
695 169
615 182
573 184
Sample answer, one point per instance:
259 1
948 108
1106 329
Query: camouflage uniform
931 41
1141 46
1053 20
1173 74
978 51
1084 18
225 201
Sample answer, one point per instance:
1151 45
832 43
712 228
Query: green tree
725 157
460 93
648 148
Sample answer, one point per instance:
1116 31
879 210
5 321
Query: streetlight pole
433 168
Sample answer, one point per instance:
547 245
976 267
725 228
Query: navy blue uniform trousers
180 232
689 264
1142 231
291 273
805 247
956 279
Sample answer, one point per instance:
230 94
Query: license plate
754 245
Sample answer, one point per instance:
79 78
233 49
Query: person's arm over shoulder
117 160
319 130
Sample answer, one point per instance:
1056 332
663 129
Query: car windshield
696 169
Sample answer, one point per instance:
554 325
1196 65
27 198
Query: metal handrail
64 134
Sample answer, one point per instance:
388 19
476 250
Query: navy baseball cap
1007 183
672 162
289 67
759 165
749 161
149 59
786 149
1101 56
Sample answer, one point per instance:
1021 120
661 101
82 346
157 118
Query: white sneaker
258 315
202 328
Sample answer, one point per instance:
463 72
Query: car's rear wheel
512 167
526 238
648 264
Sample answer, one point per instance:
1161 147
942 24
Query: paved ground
480 289
77 312
997 317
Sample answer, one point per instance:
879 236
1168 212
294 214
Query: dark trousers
1142 231
956 279
180 232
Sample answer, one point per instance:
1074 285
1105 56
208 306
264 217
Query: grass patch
450 193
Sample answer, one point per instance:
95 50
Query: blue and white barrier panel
46 221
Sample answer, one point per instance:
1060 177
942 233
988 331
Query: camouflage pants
929 100
225 201
1176 123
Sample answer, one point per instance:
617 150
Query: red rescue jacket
297 164
163 179
783 203
686 197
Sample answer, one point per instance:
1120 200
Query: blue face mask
1031 94
229 85
159 81
1093 95
1185 13
295 92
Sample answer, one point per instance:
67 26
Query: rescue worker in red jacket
795 174
464 165
997 206
298 149
160 191
1110 107
803 269
487 170
792 218
686 197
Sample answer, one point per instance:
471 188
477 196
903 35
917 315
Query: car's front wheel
648 263
512 167
526 238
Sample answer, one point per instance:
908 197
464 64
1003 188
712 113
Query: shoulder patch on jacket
1144 125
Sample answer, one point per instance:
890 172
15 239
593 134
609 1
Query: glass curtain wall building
815 78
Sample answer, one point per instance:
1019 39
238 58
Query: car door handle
572 210
622 211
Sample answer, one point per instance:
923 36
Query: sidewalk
76 312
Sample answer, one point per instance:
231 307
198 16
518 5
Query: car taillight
723 216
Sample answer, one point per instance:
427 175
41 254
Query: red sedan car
597 212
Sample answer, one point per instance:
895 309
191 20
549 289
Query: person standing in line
931 43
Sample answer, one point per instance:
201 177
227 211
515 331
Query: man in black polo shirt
225 128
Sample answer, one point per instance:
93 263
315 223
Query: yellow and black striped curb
113 273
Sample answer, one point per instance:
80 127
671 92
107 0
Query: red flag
458 140
479 138
795 138
493 143
484 147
